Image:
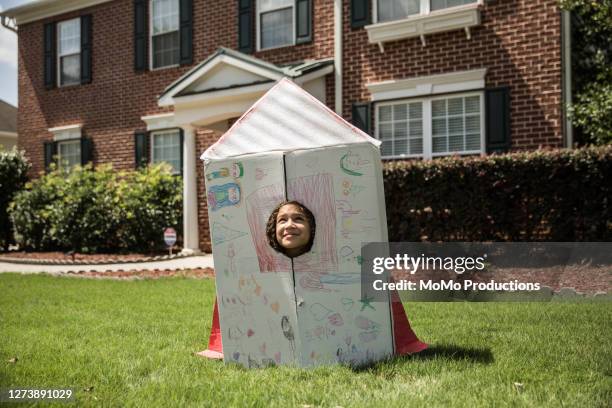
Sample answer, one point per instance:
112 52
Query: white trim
159 121
8 134
427 125
419 25
47 8
68 132
167 100
428 85
566 61
313 75
258 26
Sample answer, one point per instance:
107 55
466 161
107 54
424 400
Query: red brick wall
518 42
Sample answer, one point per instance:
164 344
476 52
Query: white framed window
166 147
68 154
391 10
275 23
69 52
165 39
431 127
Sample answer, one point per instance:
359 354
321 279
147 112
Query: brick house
136 81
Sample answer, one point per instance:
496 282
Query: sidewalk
190 262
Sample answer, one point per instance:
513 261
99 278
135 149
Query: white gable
222 76
286 118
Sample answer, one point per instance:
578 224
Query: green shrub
151 200
562 195
93 210
13 176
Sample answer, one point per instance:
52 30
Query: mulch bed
78 258
199 273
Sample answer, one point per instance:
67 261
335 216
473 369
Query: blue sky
8 57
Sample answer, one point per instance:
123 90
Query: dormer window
69 52
165 39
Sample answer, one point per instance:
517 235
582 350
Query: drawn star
366 302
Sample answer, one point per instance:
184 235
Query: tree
591 111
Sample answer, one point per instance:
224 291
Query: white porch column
191 243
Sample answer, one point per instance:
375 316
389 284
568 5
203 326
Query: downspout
338 56
566 76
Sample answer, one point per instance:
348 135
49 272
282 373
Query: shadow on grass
446 352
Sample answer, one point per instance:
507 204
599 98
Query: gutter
9 23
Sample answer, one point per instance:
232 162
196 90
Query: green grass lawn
133 342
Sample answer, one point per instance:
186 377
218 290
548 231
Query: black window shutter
50 150
49 55
245 26
140 35
86 151
181 141
86 46
186 31
497 107
361 116
141 148
360 13
303 18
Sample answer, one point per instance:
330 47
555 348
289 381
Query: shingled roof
8 117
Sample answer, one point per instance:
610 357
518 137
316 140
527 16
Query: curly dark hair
271 227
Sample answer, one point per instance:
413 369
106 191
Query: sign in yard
170 237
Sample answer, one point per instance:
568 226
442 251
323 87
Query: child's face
292 229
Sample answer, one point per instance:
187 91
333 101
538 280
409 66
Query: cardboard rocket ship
308 310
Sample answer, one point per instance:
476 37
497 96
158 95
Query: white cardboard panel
254 283
342 186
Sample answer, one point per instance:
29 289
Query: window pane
386 148
385 131
397 9
416 128
416 110
439 144
472 124
438 108
400 112
455 126
166 48
167 148
472 142
416 146
455 106
456 131
401 130
277 28
69 37
439 127
400 146
472 104
441 4
455 143
165 16
69 154
400 127
70 70
384 114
